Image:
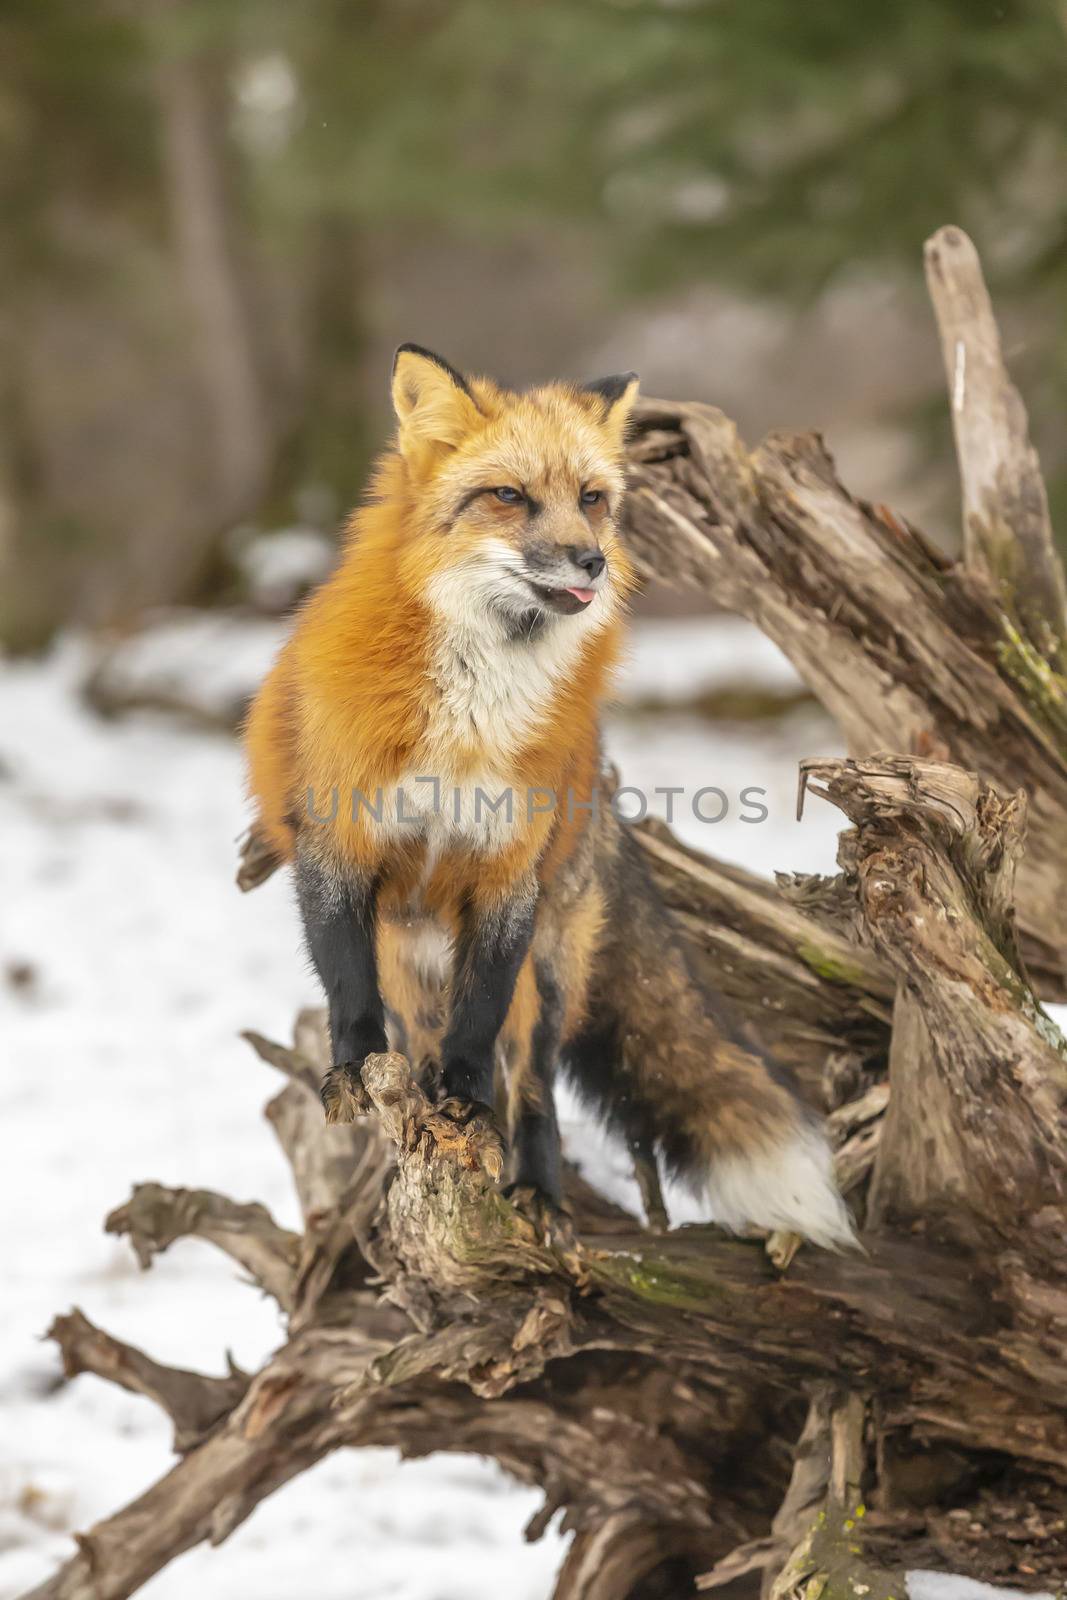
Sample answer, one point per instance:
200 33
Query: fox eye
508 495
591 497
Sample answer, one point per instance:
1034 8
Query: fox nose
590 560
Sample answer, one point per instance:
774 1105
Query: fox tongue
584 595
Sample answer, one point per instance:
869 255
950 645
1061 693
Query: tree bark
1007 532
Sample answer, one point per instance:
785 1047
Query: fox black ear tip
424 354
410 349
613 388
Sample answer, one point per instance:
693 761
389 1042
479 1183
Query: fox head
511 500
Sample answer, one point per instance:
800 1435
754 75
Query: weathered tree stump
908 651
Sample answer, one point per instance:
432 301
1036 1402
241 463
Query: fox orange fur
426 752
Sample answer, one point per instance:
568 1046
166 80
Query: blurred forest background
221 215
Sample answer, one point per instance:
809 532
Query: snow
681 656
279 567
942 1586
128 965
205 662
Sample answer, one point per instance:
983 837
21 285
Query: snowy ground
128 964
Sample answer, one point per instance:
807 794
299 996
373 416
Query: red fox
426 753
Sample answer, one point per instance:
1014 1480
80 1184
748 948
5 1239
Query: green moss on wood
654 1281
834 968
1008 980
1037 680
829 1563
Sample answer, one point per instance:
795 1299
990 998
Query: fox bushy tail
662 1063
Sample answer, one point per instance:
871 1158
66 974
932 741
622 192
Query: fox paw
343 1095
553 1227
467 1130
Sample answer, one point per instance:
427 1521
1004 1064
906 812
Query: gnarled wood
976 1133
1007 532
193 1401
906 650
154 1217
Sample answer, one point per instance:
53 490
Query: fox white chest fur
487 690
492 679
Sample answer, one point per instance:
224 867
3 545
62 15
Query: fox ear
433 404
617 395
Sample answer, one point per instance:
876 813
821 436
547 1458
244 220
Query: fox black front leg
536 1186
492 947
535 1130
339 925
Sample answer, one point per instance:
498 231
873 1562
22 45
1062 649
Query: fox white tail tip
788 1186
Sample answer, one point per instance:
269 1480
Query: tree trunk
218 303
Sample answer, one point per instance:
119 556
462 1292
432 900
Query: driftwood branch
830 1558
281 1426
1007 532
154 1217
193 1401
